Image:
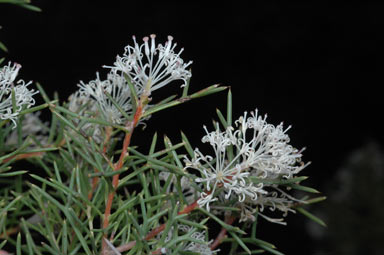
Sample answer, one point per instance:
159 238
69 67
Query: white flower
220 172
8 74
151 67
261 150
272 155
23 96
116 86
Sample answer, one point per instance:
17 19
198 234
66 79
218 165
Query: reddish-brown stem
108 131
160 228
190 207
9 232
115 180
31 154
95 180
157 252
126 247
24 156
154 232
223 233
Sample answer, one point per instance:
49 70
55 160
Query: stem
157 252
24 156
115 181
95 181
9 232
223 233
160 228
108 131
126 247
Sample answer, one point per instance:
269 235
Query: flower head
251 150
151 66
23 97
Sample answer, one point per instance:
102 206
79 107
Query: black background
316 66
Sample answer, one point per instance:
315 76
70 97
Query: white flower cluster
148 65
260 151
160 66
23 97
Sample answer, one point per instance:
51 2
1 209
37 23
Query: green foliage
53 212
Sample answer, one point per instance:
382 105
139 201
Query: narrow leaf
311 216
2 47
240 242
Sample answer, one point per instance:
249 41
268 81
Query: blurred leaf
303 188
239 241
2 47
31 7
311 216
14 173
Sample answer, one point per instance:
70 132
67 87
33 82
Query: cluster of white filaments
253 150
147 67
14 96
152 66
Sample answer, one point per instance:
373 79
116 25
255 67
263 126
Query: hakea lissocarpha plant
90 190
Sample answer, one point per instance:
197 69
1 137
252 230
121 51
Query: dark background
317 66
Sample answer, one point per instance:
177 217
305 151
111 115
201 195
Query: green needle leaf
18 244
311 216
240 242
2 47
31 7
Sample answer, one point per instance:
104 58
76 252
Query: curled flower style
8 74
271 155
151 67
23 97
116 86
251 151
